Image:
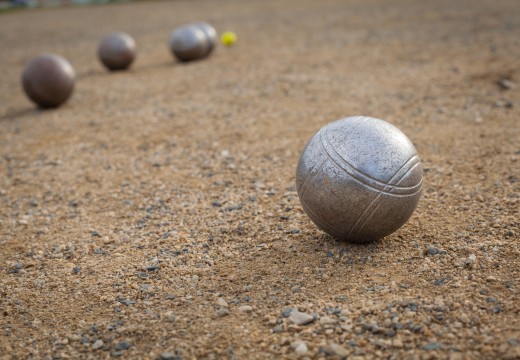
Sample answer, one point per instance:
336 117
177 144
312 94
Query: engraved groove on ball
377 201
356 174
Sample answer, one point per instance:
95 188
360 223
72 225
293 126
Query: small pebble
222 312
325 320
123 345
286 312
432 346
433 251
335 350
300 347
439 281
169 356
506 84
245 308
300 318
278 328
98 344
221 302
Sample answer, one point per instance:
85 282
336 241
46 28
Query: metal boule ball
189 43
211 34
117 51
359 179
48 80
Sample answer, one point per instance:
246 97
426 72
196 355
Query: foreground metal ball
211 34
189 42
117 51
359 179
48 80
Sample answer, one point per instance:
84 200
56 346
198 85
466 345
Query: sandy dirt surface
155 215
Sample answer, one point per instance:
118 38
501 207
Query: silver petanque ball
211 34
359 179
189 43
48 80
117 51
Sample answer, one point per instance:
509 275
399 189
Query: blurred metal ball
189 42
359 179
117 51
211 34
48 80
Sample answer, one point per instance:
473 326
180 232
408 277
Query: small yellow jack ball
228 38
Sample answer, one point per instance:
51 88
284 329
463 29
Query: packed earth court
154 211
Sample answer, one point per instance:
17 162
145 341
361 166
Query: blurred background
6 5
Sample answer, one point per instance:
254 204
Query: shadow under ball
189 43
359 179
211 34
117 51
48 80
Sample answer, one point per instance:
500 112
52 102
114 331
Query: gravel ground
155 215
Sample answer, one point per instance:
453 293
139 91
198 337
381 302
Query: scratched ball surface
189 42
359 179
117 51
48 80
211 34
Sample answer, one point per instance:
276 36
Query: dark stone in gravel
439 281
412 307
15 268
491 299
439 316
330 254
123 345
169 356
166 235
216 204
372 327
76 270
414 327
293 231
497 309
432 346
143 275
95 234
513 342
152 268
286 312
170 297
126 302
333 311
484 291
433 251
397 326
234 207
99 251
85 340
